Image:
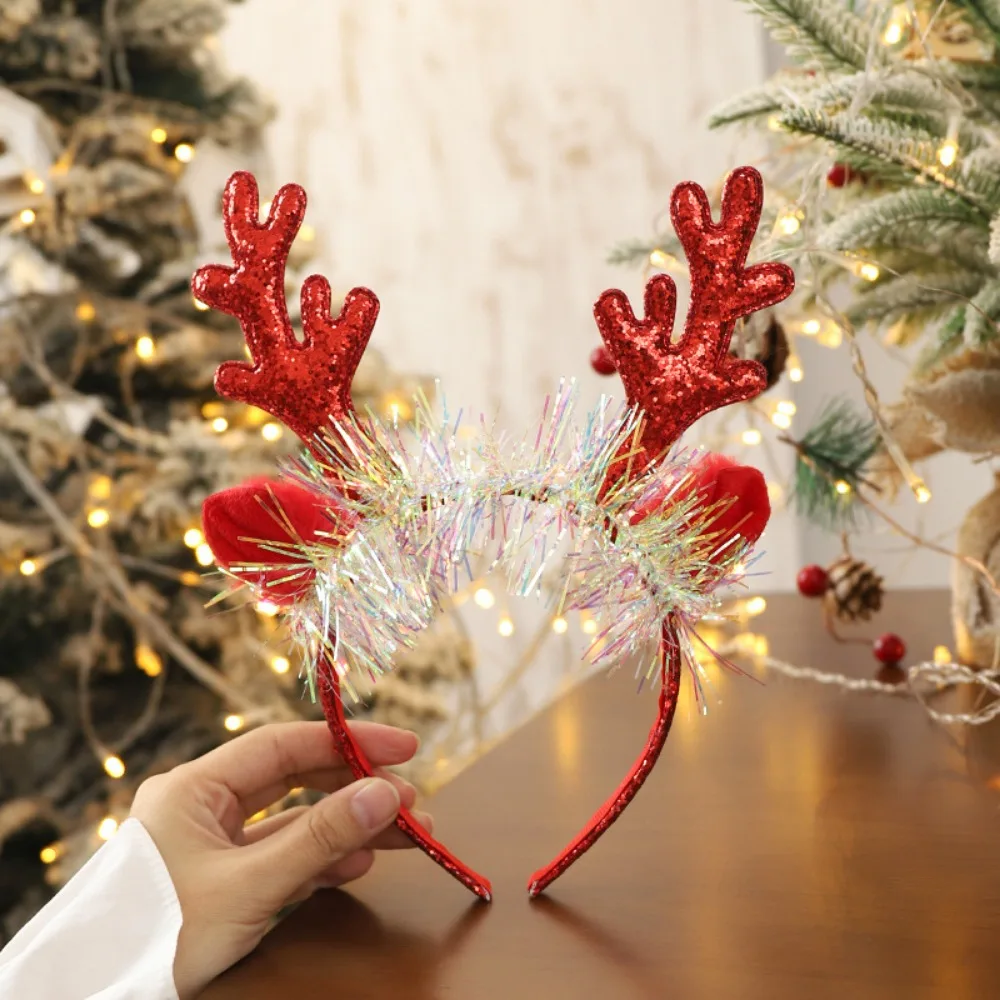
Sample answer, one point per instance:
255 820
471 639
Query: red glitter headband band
307 385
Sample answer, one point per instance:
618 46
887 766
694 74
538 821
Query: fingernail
375 804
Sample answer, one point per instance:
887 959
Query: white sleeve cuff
109 934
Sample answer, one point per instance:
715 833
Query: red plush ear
738 492
246 525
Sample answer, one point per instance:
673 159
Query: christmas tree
883 178
111 435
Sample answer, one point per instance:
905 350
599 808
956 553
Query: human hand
232 879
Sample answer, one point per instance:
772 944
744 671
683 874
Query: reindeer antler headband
359 550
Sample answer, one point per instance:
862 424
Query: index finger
277 754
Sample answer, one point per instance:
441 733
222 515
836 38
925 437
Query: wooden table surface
798 842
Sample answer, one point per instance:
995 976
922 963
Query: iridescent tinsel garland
420 510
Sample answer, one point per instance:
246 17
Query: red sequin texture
675 384
305 383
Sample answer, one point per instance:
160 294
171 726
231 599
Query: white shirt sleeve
109 934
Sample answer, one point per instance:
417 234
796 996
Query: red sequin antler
676 383
305 383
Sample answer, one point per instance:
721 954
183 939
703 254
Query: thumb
325 833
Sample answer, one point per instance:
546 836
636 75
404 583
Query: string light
775 124
27 216
775 492
280 664
786 406
85 311
234 723
50 854
148 660
831 337
199 305
35 184
184 152
107 828
589 626
560 625
947 153
271 431
203 554
145 347
100 487
114 766
942 655
795 373
158 135
789 222
307 233
266 608
868 271
662 260
751 436
811 327
842 486
895 28
397 409
921 493
782 420
484 597
190 578
28 567
220 425
506 627
193 538
755 606
761 646
98 517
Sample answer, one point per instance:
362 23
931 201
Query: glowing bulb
234 723
842 486
755 606
662 260
795 373
893 33
589 626
505 627
868 271
559 625
266 608
184 152
190 578
789 222
782 420
740 569
199 305
220 424
280 664
36 185
85 311
774 492
107 828
921 493
786 406
114 766
484 597
307 233
203 554
28 567
49 854
942 655
265 210
947 153
145 347
98 517
271 431
811 327
193 538
774 123
27 216
831 337
100 487
158 135
751 436
148 660
761 646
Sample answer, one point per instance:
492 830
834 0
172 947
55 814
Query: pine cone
855 590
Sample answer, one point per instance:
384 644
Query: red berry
601 362
889 648
839 175
812 581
